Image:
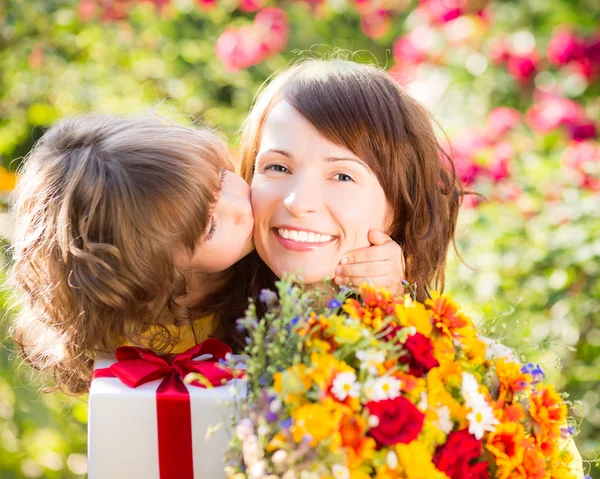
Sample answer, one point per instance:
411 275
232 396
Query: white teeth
304 236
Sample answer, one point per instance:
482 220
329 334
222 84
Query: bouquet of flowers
370 385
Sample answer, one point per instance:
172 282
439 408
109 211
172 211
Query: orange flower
549 412
534 463
511 380
378 303
507 445
446 314
359 447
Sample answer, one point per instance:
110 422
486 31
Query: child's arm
381 264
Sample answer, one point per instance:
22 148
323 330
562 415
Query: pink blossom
406 51
583 158
375 24
464 151
87 10
239 49
442 11
207 4
497 51
523 67
273 26
499 165
592 49
501 120
583 129
564 47
250 5
552 112
585 67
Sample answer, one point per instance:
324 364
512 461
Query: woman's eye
343 177
277 168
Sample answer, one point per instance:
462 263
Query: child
112 215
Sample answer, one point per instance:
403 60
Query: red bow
136 366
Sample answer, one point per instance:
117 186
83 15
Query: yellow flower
413 313
415 461
439 380
292 383
319 422
344 333
325 367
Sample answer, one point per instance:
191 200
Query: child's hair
101 207
363 109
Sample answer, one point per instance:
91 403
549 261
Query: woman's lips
297 245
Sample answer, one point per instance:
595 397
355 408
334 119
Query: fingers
365 271
378 238
383 252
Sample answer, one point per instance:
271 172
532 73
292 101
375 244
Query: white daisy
385 387
345 385
370 359
423 403
470 391
481 419
391 459
444 421
340 472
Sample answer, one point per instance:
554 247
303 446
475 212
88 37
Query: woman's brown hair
363 109
101 206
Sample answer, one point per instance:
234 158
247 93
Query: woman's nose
303 197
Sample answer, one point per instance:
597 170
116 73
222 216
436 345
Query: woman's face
313 200
229 235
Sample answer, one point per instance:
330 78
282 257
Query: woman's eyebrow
333 159
275 150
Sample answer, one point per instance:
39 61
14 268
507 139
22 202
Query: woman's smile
297 239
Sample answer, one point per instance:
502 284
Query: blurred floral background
514 85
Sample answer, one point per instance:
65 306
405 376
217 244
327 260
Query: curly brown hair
361 108
101 206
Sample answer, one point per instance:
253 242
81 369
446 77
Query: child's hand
381 264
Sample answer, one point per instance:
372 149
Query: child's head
361 109
110 214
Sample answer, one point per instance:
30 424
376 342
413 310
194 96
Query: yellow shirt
189 335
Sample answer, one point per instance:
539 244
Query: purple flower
334 304
267 296
271 416
405 283
534 371
286 423
566 432
239 326
293 323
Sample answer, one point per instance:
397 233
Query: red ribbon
136 366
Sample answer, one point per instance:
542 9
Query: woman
333 149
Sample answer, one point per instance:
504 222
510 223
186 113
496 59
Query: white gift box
123 432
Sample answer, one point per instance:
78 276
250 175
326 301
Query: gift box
145 422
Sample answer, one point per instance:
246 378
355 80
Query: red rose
419 358
457 458
399 421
